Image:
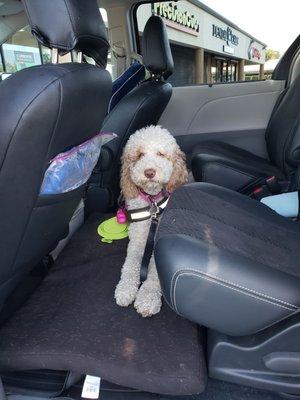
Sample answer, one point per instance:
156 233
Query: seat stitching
235 284
198 274
20 242
243 255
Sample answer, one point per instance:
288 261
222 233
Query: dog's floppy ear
180 174
129 189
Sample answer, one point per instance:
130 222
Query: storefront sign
178 19
253 52
227 49
225 34
23 59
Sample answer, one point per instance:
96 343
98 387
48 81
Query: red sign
254 53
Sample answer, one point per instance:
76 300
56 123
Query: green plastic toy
111 230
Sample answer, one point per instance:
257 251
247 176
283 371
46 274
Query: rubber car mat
72 323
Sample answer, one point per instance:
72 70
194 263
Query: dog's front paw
125 293
148 301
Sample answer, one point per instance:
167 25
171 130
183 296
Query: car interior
228 264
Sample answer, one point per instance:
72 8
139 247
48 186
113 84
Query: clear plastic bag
67 171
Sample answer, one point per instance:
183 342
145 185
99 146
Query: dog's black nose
150 173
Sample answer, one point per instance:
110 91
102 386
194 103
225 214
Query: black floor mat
72 323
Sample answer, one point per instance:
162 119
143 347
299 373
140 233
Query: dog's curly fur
149 148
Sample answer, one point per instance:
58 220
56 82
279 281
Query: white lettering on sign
178 19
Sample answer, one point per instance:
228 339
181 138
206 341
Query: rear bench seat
72 323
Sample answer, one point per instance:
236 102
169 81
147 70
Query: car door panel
236 113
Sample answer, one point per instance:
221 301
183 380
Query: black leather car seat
229 166
46 110
214 243
230 263
141 107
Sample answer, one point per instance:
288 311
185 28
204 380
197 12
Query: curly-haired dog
152 164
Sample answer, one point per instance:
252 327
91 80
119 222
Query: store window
21 51
46 55
223 70
184 66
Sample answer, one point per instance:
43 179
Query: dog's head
151 161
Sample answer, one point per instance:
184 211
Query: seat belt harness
152 211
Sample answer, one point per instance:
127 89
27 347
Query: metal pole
41 52
2 58
54 56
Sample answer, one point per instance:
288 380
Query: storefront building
207 48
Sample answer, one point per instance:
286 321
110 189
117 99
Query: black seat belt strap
148 250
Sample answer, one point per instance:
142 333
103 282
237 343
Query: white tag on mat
91 387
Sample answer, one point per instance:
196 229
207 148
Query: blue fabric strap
126 82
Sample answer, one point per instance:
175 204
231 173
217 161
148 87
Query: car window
22 50
206 47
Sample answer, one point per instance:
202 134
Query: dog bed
72 323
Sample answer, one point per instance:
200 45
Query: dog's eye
140 155
160 154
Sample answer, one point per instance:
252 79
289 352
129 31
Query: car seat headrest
156 50
69 25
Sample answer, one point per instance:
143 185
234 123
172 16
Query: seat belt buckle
259 192
154 210
270 187
273 185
